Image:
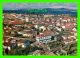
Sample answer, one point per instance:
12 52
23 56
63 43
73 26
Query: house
70 19
74 29
53 21
30 25
9 45
23 43
57 24
64 36
15 22
67 41
27 42
74 33
12 32
37 52
41 38
37 26
63 20
70 27
40 52
42 28
27 29
44 37
7 40
27 33
7 30
49 53
68 36
48 19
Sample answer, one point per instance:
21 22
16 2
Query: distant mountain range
49 11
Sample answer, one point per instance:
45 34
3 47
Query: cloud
15 6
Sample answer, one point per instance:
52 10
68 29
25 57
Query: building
37 52
27 19
9 45
23 43
44 37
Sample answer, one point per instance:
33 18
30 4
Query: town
39 34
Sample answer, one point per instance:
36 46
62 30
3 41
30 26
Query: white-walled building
27 19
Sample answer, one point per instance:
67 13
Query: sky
16 6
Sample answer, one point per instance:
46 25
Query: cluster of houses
42 29
11 43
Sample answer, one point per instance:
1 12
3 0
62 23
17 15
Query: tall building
27 19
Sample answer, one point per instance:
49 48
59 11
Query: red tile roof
8 44
15 22
69 27
67 40
65 18
64 35
46 33
53 21
27 28
30 24
69 18
6 22
6 39
68 23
